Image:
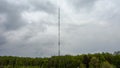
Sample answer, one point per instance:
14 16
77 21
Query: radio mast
59 42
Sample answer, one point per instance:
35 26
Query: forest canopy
97 60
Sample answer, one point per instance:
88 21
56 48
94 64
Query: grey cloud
37 46
2 40
92 38
82 4
109 12
13 15
45 6
36 39
114 18
13 12
14 21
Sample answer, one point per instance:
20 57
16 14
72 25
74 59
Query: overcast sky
29 27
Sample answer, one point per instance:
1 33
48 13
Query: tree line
97 60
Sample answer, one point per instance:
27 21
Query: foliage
106 65
98 60
94 62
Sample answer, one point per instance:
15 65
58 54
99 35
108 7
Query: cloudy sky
29 27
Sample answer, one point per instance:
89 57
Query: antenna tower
59 42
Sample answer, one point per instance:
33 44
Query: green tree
86 60
82 65
94 63
106 65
